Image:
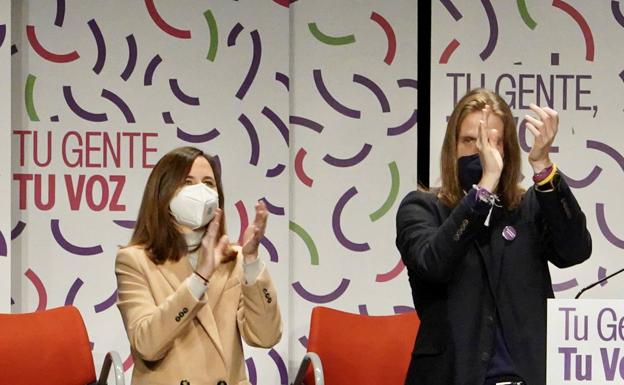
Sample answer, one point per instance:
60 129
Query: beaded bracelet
550 176
484 195
540 176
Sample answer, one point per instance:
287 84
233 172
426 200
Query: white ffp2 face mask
194 205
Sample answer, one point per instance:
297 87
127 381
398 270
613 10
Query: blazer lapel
205 315
175 272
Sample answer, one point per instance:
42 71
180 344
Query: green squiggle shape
30 105
392 196
214 35
307 239
331 40
524 12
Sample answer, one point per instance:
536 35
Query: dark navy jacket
462 274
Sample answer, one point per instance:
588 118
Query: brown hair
510 193
155 228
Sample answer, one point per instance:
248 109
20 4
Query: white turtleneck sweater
196 285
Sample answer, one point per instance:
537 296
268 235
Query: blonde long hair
509 190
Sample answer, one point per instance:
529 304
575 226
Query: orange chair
346 348
50 347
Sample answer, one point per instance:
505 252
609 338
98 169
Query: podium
585 342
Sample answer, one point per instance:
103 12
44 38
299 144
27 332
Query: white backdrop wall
311 107
101 91
5 155
348 179
566 54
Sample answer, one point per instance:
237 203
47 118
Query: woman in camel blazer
186 295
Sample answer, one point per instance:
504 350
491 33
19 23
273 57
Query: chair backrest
361 349
47 347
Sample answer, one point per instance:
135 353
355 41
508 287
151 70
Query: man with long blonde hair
477 249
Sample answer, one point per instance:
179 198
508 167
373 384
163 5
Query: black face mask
469 170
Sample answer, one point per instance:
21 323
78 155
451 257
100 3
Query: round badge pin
509 233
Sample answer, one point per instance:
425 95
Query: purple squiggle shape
236 30
78 250
283 78
17 230
602 274
279 124
411 83
604 227
450 7
330 100
400 309
349 162
60 13
184 98
167 117
359 247
615 9
581 183
595 145
121 105
108 302
491 44
126 224
149 71
197 138
275 171
315 298
76 109
132 57
270 247
4 250
2 33
375 89
255 65
281 366
312 125
404 127
101 46
276 210
362 309
567 285
73 290
253 138
251 369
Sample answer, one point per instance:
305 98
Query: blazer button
485 357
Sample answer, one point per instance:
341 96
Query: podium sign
585 342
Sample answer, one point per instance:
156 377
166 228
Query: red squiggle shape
303 177
396 270
283 3
580 20
44 53
244 220
127 364
383 23
41 291
448 51
162 24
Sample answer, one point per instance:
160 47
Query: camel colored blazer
177 339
